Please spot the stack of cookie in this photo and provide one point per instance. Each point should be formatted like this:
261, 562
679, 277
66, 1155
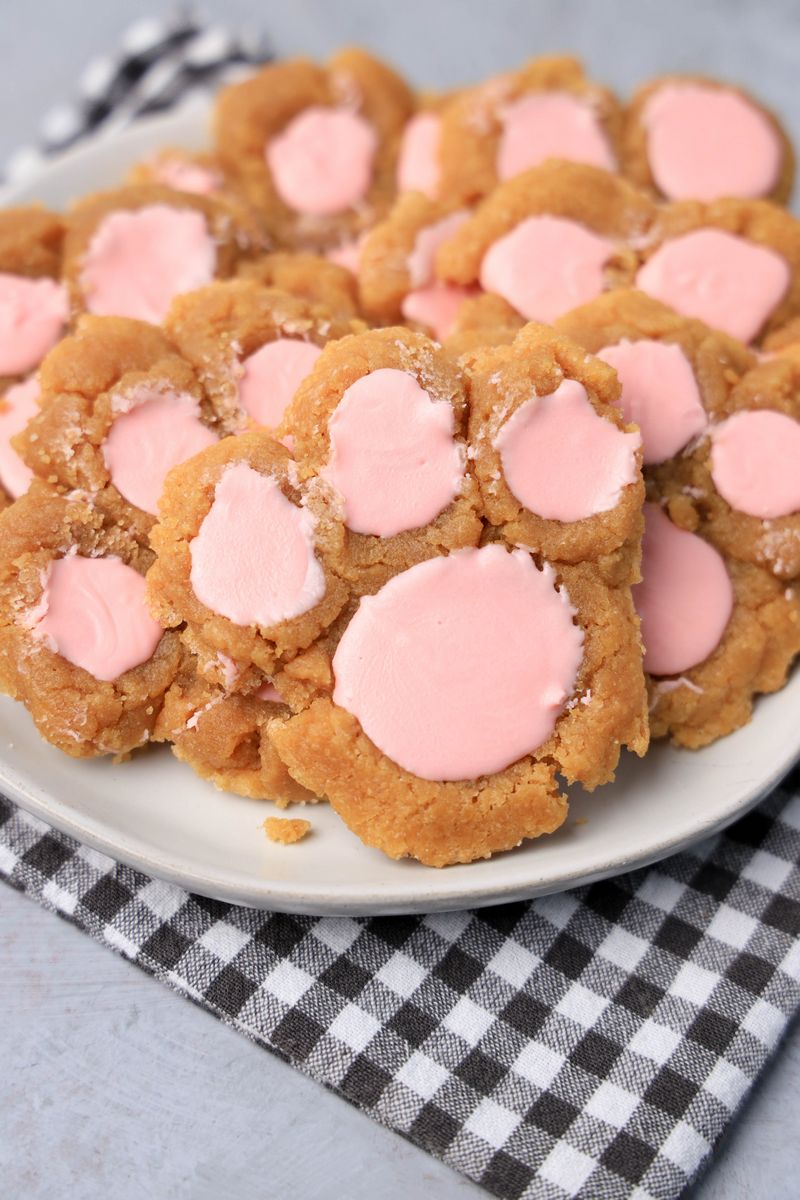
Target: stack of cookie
414, 452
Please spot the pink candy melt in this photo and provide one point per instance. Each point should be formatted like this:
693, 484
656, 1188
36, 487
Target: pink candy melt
427, 242
436, 306
659, 393
704, 143
546, 266
546, 125
724, 280
186, 176
348, 255
393, 458
253, 560
272, 376
33, 313
755, 463
159, 430
418, 167
93, 613
138, 261
408, 663
322, 162
685, 598
561, 459
17, 407
268, 691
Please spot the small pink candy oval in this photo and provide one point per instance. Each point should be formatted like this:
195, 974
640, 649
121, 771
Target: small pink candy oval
418, 168
436, 306
348, 254
426, 244
186, 176
17, 406
271, 377
138, 261
33, 313
728, 282
561, 459
94, 613
707, 142
409, 661
659, 393
253, 559
546, 125
393, 460
158, 430
755, 463
322, 162
685, 599
545, 266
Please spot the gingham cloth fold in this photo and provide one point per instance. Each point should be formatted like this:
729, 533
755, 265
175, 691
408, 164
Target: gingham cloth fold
594, 1044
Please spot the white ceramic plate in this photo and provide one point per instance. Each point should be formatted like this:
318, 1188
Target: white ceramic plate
156, 815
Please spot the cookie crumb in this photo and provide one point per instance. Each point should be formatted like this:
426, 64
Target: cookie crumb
286, 831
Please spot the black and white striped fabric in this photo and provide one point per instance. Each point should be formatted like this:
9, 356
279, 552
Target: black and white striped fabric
594, 1044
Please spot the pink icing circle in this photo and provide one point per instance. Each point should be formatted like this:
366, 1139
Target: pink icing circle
418, 168
546, 266
33, 313
685, 599
253, 559
17, 406
706, 142
139, 260
322, 162
185, 176
156, 431
271, 377
546, 125
659, 393
348, 255
436, 306
460, 666
426, 244
755, 463
393, 458
561, 459
93, 612
728, 282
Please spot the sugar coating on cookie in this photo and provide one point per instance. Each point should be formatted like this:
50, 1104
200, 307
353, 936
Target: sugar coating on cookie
754, 463
33, 314
17, 406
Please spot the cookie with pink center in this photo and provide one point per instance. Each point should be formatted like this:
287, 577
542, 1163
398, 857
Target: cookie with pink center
78, 645
687, 137
117, 408
34, 306
18, 405
130, 252
716, 632
734, 264
549, 239
559, 469
510, 123
419, 763
378, 430
310, 277
419, 159
314, 148
241, 559
251, 347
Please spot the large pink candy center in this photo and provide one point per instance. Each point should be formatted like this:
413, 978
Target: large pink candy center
393, 458
728, 282
685, 599
561, 459
418, 168
460, 666
659, 393
93, 612
138, 261
546, 266
546, 125
17, 406
322, 162
755, 463
33, 313
271, 377
253, 559
706, 142
158, 430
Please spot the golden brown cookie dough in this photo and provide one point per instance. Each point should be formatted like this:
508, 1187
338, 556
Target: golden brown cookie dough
483, 320
218, 327
31, 242
472, 124
76, 712
785, 338
364, 560
250, 114
285, 831
180, 169
309, 277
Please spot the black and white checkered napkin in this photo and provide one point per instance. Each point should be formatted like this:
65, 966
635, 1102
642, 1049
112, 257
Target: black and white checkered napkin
594, 1044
